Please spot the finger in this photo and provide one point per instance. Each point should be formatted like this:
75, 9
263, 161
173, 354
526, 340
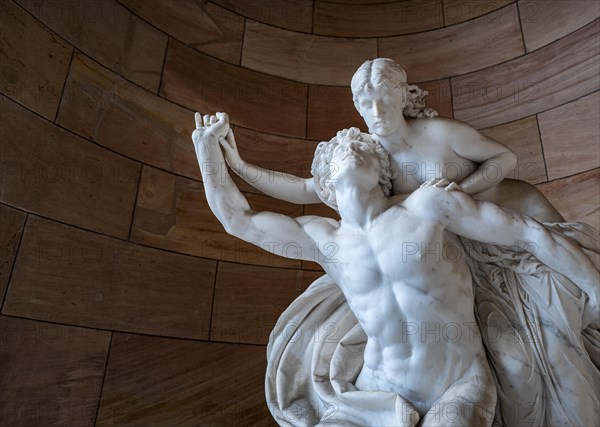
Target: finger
222, 116
206, 120
213, 120
198, 119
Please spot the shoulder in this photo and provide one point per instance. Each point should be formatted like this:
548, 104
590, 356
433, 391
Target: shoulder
435, 203
439, 124
317, 224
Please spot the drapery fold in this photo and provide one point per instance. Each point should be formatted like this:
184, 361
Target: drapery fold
545, 368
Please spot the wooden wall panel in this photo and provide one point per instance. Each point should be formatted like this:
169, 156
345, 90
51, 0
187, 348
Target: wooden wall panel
378, 19
576, 197
249, 300
34, 61
357, 1
172, 213
331, 109
51, 374
454, 50
295, 15
571, 136
272, 152
109, 33
54, 173
165, 382
11, 227
68, 275
546, 21
304, 57
523, 138
251, 99
201, 25
456, 11
440, 96
119, 115
546, 78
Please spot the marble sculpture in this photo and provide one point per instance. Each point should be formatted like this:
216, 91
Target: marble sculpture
450, 298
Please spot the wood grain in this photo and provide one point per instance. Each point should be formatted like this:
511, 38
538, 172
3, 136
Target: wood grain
295, 15
50, 171
34, 61
331, 109
440, 96
523, 138
456, 11
165, 382
272, 152
204, 26
68, 275
522, 87
571, 136
304, 57
172, 213
51, 374
576, 197
101, 106
11, 227
378, 19
109, 33
249, 300
252, 100
454, 50
546, 21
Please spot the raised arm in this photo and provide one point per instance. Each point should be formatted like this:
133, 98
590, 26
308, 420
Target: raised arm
273, 232
496, 161
276, 184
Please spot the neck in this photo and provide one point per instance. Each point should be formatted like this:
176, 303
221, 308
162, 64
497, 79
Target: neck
358, 207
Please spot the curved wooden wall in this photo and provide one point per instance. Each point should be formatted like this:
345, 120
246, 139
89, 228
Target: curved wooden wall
124, 302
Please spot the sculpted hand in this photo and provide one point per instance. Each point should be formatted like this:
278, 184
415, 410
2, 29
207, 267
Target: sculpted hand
442, 183
208, 126
232, 154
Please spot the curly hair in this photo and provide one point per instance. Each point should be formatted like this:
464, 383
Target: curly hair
386, 71
322, 172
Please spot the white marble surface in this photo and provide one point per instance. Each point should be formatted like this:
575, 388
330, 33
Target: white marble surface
418, 302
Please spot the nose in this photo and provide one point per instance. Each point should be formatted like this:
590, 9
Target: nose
376, 109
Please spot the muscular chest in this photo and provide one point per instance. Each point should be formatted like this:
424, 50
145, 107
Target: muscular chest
403, 249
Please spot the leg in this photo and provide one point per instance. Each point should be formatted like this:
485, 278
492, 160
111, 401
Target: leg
470, 401
523, 198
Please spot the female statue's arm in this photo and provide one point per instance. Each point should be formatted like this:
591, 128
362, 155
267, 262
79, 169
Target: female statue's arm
276, 184
495, 160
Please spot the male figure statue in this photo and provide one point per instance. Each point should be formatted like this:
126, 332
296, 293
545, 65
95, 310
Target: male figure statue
386, 288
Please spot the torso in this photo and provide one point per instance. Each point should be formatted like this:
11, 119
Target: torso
414, 301
428, 157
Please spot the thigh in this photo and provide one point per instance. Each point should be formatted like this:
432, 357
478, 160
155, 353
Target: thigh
470, 401
522, 197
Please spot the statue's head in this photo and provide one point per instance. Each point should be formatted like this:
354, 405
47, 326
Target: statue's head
329, 167
384, 81
377, 72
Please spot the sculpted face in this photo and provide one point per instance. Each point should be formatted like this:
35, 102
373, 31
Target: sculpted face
357, 162
381, 107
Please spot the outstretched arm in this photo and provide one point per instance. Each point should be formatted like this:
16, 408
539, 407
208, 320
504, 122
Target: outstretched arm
280, 185
496, 160
486, 222
273, 232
